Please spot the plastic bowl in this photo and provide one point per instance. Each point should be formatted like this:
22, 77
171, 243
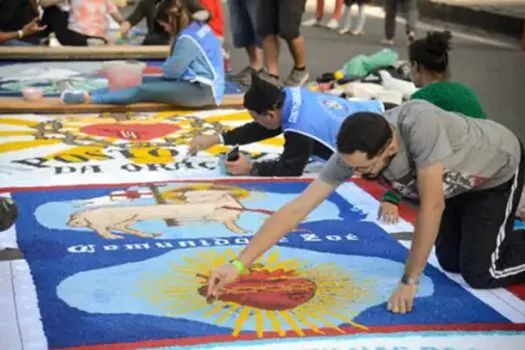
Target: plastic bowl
32, 94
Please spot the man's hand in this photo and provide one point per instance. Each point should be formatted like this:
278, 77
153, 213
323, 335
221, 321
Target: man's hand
241, 166
220, 277
202, 142
388, 213
402, 298
125, 27
32, 28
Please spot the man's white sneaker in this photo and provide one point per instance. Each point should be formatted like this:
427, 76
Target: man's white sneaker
332, 24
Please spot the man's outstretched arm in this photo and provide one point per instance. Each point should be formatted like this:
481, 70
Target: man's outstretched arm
284, 220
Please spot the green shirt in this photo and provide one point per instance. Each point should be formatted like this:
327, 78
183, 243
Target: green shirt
452, 97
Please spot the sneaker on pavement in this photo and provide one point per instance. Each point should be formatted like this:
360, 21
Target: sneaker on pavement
332, 24
73, 97
312, 22
244, 77
388, 42
271, 79
297, 77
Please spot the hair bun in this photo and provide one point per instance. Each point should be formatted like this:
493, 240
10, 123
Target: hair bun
438, 43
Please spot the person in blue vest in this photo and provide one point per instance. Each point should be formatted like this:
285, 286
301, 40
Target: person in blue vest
193, 75
309, 121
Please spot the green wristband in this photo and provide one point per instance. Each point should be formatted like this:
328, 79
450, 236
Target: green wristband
391, 198
239, 265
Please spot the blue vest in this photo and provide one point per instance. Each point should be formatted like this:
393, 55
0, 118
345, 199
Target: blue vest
211, 49
319, 116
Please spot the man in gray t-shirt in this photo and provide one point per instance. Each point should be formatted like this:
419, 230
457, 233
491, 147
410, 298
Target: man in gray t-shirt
476, 154
467, 174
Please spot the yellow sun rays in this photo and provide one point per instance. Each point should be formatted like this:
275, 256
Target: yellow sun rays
177, 293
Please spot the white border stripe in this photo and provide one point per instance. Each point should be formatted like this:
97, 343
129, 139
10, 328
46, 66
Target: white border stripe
29, 318
9, 328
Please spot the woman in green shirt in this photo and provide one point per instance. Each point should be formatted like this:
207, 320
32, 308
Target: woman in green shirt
430, 71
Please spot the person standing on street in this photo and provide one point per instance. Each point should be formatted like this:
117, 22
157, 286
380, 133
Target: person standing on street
411, 13
282, 18
244, 19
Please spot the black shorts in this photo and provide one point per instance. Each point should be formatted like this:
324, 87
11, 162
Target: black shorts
281, 17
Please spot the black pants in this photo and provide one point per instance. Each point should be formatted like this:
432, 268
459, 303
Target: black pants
476, 237
281, 17
56, 21
410, 11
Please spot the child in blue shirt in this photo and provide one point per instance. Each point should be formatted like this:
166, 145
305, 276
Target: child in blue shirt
193, 75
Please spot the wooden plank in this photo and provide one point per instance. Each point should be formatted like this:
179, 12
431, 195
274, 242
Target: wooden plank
54, 105
102, 52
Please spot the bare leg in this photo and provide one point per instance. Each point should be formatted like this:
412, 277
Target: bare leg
337, 9
319, 10
271, 54
255, 56
297, 51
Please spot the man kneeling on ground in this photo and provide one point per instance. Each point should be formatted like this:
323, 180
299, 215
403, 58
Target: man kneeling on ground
467, 175
309, 120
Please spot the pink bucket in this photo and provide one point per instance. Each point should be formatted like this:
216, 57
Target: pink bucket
123, 74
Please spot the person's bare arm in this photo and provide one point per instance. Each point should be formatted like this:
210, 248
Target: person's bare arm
432, 204
117, 16
284, 220
114, 12
6, 36
29, 29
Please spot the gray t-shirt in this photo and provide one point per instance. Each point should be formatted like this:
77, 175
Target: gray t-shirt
477, 154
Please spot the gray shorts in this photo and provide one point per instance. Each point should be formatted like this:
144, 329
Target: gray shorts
244, 19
